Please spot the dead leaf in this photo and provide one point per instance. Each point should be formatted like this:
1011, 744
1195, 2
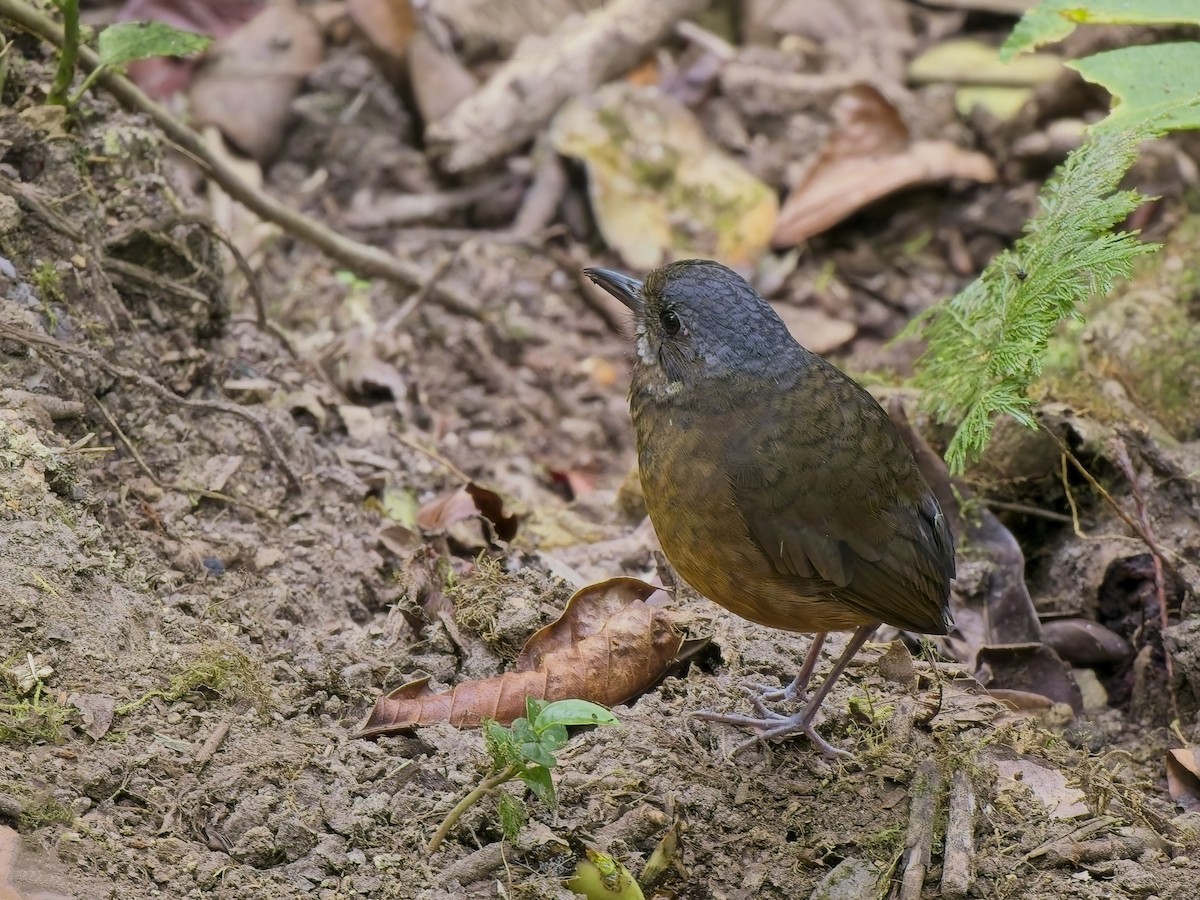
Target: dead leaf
362, 425
246, 85
389, 27
868, 156
469, 501
1027, 701
996, 633
266, 557
660, 190
219, 469
1183, 777
1082, 642
248, 233
574, 482
816, 330
897, 664
439, 81
645, 74
1048, 785
399, 540
95, 713
607, 647
366, 375
599, 370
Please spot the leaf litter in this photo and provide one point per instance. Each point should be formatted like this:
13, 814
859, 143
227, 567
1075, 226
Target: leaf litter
225, 788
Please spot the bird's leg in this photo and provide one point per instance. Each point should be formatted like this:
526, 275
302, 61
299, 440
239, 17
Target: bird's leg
762, 694
775, 726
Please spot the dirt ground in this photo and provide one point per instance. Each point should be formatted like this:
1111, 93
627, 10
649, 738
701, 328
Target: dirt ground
200, 599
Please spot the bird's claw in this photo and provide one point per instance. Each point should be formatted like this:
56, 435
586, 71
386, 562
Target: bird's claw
773, 726
762, 694
759, 695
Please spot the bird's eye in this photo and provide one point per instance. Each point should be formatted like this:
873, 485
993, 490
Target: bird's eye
669, 321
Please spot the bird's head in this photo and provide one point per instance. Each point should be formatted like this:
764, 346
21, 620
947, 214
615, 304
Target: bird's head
697, 319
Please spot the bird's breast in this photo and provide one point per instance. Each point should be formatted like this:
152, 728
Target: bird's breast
682, 460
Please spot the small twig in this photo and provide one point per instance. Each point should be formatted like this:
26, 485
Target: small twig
33, 340
31, 198
1102, 491
545, 192
435, 456
1028, 510
363, 259
926, 788
252, 285
140, 275
392, 322
960, 837
212, 745
484, 787
707, 40
1121, 452
137, 457
112, 423
1071, 500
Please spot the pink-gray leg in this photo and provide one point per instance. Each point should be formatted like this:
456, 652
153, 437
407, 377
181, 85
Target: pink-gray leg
773, 725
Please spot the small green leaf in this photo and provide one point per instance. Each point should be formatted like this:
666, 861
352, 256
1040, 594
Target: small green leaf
523, 733
984, 347
127, 41
1053, 20
1157, 83
553, 737
500, 746
574, 712
535, 752
540, 783
512, 815
534, 707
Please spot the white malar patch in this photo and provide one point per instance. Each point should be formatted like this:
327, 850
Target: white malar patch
646, 353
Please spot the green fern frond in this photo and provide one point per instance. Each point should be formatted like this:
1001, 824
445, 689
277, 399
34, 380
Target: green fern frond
985, 345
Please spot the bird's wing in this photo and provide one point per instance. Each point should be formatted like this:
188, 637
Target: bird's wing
846, 514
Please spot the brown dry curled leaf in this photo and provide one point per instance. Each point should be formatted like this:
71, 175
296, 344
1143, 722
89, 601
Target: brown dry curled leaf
607, 647
469, 501
868, 155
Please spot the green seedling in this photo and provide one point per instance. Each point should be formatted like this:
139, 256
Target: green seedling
525, 750
987, 345
117, 45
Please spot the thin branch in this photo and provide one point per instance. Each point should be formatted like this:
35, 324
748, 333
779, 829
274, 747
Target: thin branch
34, 341
1121, 452
1028, 510
364, 260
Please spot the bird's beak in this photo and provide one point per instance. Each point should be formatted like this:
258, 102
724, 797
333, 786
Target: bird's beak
626, 289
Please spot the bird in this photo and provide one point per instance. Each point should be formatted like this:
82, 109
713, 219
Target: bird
778, 486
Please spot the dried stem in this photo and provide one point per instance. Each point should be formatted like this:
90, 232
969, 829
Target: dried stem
484, 787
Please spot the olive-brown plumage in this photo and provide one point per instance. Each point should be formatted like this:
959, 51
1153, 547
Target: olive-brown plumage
777, 485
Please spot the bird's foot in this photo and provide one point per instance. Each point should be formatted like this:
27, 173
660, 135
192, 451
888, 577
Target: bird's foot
773, 725
762, 694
